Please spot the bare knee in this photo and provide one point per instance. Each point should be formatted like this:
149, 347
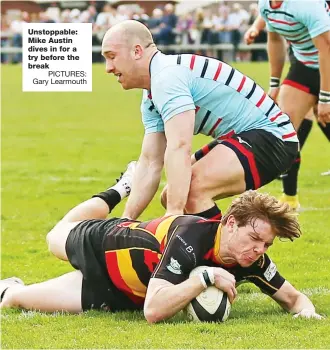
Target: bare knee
56, 239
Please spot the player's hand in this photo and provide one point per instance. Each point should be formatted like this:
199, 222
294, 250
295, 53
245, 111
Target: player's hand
226, 282
250, 35
273, 93
307, 313
323, 113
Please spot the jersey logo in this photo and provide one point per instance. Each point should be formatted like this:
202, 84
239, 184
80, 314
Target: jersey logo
242, 141
270, 272
174, 267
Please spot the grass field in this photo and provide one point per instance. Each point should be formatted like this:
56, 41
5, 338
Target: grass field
60, 148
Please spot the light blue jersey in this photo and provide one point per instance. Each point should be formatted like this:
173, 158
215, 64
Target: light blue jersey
298, 22
226, 101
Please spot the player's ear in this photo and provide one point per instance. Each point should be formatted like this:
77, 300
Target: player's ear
231, 223
138, 52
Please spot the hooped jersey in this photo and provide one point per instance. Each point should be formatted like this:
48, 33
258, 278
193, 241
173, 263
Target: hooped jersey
225, 101
169, 248
298, 22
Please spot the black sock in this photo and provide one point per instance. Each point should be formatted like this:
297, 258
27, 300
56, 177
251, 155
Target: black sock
290, 181
110, 196
3, 294
213, 213
325, 130
303, 131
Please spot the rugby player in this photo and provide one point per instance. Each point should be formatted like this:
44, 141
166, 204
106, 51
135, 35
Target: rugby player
254, 141
123, 264
306, 27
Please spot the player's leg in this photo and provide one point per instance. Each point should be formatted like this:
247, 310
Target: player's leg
290, 179
298, 95
97, 207
58, 294
246, 161
219, 173
212, 212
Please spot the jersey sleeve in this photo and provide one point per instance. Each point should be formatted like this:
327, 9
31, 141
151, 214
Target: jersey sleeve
261, 5
314, 16
264, 275
182, 253
171, 91
151, 119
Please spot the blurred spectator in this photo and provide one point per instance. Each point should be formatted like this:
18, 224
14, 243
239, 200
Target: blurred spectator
198, 26
16, 27
122, 14
75, 16
5, 37
44, 18
184, 29
65, 16
167, 26
154, 23
141, 16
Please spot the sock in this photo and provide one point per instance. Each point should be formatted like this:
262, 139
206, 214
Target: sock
110, 196
3, 294
325, 130
290, 181
303, 131
214, 213
122, 188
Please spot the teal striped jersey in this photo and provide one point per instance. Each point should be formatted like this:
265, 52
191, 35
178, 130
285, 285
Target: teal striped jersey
298, 22
225, 101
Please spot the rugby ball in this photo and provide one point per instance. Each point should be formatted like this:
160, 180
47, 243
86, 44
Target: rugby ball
212, 305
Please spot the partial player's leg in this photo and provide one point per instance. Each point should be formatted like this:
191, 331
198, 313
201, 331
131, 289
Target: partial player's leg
218, 174
246, 161
290, 179
59, 294
298, 95
97, 207
295, 103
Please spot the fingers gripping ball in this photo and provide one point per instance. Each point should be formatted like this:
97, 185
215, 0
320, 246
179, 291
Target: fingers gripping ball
212, 305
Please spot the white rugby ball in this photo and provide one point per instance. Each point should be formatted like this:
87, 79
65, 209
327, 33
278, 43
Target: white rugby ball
212, 305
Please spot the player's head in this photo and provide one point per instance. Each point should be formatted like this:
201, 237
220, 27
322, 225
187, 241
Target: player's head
253, 221
127, 48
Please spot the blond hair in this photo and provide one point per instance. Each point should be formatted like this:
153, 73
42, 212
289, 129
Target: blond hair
252, 205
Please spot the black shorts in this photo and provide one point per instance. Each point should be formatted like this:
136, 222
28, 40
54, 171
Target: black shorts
302, 77
84, 248
263, 156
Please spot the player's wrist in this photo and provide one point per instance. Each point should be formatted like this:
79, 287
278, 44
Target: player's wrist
324, 97
207, 277
274, 82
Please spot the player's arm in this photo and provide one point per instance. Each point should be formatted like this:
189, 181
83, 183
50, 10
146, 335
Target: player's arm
276, 48
179, 132
257, 26
295, 302
147, 175
164, 299
322, 43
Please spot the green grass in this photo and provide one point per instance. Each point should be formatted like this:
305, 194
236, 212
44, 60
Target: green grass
60, 148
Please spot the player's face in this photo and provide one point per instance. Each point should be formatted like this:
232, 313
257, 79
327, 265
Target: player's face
119, 61
249, 243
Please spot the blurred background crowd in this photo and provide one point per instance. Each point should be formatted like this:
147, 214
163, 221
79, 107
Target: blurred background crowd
195, 28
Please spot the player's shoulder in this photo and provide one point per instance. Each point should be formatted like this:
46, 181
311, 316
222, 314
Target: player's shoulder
197, 225
168, 67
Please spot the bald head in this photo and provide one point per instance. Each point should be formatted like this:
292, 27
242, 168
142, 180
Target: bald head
129, 33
